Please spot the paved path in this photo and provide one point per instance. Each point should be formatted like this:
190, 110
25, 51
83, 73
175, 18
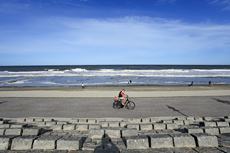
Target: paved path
92, 94
102, 107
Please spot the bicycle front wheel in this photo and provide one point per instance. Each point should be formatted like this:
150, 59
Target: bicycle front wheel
130, 105
116, 105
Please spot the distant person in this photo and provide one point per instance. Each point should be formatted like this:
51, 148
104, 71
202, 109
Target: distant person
122, 96
130, 82
191, 84
82, 85
210, 83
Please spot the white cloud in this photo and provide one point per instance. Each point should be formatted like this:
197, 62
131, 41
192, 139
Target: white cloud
224, 3
149, 33
139, 37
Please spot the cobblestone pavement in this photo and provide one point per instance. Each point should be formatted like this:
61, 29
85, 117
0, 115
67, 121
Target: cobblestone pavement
115, 135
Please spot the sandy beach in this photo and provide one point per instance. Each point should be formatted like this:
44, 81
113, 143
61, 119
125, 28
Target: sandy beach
111, 91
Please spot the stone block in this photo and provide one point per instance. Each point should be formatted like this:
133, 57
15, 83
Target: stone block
146, 126
224, 130
62, 122
29, 120
21, 120
181, 118
38, 120
40, 123
101, 120
159, 126
69, 127
18, 125
136, 120
188, 122
113, 133
207, 118
69, 143
145, 120
123, 124
82, 127
57, 127
172, 126
75, 121
222, 124
48, 119
2, 131
114, 124
5, 142
4, 126
183, 140
226, 120
133, 126
31, 131
208, 124
211, 130
22, 143
154, 120
15, 132
190, 118
193, 130
161, 141
45, 143
167, 121
96, 133
205, 140
178, 122
49, 123
94, 126
92, 121
198, 118
137, 142
82, 120
129, 132
104, 124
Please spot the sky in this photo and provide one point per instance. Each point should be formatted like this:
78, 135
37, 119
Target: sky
111, 32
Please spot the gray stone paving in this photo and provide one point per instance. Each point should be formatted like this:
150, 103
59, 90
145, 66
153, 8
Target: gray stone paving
118, 135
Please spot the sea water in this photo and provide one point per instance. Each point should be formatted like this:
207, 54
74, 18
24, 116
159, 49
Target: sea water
105, 75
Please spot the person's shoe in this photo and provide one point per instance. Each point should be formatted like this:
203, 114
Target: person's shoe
122, 106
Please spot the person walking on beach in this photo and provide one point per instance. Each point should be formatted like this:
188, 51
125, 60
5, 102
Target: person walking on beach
209, 83
122, 96
191, 84
82, 85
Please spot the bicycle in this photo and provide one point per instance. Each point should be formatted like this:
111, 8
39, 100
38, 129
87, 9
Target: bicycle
127, 104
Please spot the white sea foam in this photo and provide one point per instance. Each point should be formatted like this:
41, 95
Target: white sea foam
79, 70
119, 76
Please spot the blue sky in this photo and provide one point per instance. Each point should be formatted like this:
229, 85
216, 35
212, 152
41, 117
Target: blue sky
85, 32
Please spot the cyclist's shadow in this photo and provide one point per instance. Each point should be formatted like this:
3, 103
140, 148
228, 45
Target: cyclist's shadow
107, 146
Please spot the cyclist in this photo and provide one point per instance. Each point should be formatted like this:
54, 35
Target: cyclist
122, 96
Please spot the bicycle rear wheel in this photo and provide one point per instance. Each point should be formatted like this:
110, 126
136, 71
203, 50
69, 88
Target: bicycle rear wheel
130, 105
116, 105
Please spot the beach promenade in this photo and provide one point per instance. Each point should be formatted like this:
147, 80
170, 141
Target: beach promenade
165, 119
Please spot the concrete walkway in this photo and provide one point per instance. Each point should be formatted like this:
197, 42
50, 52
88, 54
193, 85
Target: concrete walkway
92, 94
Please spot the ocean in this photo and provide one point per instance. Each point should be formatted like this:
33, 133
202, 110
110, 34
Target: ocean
116, 75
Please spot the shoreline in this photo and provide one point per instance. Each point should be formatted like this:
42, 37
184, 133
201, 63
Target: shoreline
119, 87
